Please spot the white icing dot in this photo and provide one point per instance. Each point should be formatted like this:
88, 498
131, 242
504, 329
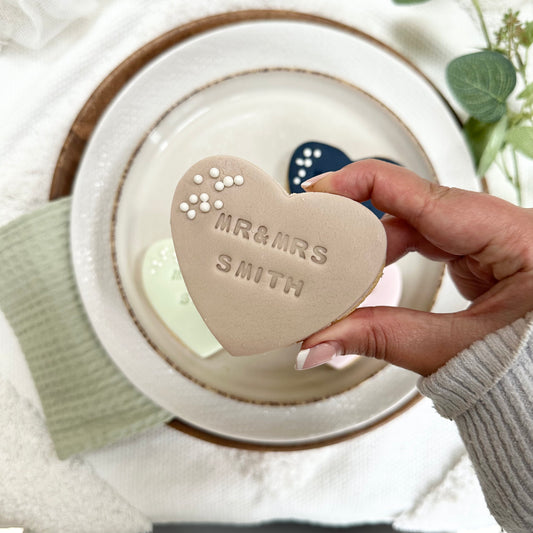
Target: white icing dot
296, 181
307, 152
228, 181
302, 173
184, 298
219, 204
184, 206
198, 179
204, 197
214, 172
299, 161
191, 214
308, 163
193, 199
238, 180
219, 186
317, 153
205, 207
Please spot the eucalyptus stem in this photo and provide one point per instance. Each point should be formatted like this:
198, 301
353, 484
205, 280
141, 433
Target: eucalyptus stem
517, 181
503, 167
477, 7
520, 65
512, 177
526, 56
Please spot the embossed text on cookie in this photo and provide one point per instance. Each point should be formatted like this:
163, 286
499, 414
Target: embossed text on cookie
257, 274
280, 240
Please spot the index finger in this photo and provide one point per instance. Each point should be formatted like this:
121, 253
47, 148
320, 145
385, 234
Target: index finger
457, 221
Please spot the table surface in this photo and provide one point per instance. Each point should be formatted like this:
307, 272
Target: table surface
281, 527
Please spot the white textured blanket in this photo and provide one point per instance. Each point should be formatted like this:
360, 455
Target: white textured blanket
412, 470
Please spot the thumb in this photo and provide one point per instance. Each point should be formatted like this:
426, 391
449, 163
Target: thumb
418, 341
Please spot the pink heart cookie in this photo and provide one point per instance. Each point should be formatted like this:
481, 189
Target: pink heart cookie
265, 269
388, 292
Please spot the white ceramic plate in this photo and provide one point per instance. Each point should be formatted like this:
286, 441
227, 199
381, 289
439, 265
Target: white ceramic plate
255, 90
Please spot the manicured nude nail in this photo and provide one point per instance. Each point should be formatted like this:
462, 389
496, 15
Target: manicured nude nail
311, 181
317, 355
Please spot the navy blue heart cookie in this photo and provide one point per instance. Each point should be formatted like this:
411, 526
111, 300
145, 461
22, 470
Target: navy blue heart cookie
313, 158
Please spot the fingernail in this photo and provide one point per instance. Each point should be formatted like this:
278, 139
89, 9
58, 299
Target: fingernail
311, 181
317, 355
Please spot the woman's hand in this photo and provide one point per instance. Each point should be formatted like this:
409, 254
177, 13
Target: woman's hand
486, 242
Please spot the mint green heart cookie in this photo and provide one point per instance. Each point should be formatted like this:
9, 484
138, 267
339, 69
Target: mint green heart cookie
166, 291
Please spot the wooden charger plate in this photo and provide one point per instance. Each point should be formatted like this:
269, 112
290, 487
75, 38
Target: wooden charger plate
86, 120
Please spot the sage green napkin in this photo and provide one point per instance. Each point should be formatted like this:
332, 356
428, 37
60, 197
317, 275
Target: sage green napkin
87, 401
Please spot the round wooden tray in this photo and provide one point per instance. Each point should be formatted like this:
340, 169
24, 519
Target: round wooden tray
85, 122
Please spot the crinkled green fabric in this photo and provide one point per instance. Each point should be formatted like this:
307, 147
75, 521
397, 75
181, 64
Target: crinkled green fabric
87, 401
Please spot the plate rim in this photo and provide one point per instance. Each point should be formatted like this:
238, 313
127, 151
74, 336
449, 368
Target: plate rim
83, 125
85, 122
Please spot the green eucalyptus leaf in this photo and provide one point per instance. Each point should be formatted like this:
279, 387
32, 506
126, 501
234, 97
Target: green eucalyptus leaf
405, 2
481, 82
521, 138
494, 144
527, 93
477, 134
526, 38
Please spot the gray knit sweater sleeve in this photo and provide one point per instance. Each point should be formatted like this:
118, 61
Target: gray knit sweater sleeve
487, 390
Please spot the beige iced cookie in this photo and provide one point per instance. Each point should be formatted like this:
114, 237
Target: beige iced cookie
266, 269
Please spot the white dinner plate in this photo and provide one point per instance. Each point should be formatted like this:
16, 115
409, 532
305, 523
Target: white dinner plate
255, 90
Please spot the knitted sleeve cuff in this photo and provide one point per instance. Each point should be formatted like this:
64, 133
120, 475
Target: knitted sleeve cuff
466, 378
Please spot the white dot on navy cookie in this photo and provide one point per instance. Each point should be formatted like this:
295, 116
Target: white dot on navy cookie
311, 159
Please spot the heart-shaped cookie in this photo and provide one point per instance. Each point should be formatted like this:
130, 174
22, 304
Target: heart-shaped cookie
388, 292
165, 290
266, 269
313, 158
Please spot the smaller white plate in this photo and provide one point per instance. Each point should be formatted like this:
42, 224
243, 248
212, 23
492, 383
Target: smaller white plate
260, 116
